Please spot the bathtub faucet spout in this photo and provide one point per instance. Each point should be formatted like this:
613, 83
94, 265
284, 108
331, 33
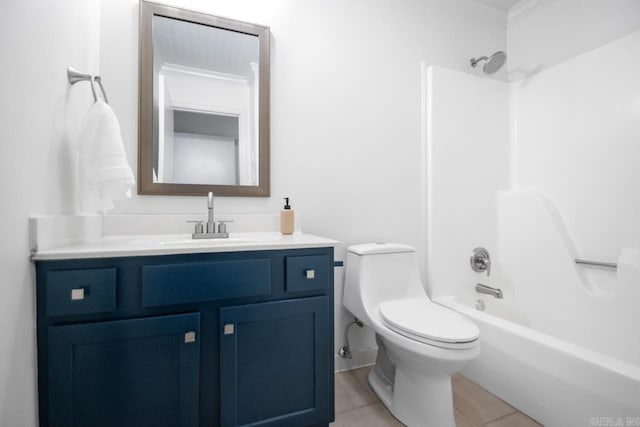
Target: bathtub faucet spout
484, 289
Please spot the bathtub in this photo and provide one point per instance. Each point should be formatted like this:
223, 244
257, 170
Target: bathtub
553, 381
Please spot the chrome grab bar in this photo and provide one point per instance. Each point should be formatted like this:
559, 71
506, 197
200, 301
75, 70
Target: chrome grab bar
484, 289
597, 263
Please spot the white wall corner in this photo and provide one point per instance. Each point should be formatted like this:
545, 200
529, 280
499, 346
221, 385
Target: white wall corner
49, 231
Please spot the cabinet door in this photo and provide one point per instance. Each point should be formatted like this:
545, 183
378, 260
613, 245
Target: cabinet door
138, 372
274, 363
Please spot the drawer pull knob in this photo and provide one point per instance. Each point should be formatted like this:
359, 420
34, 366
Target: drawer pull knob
190, 337
77, 294
229, 329
311, 274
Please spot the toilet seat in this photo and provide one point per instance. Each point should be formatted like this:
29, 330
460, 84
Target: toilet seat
422, 320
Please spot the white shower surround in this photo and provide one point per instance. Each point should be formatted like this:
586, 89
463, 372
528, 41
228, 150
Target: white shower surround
540, 172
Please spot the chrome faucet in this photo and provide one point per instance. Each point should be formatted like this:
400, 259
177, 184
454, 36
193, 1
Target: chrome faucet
484, 289
211, 224
210, 233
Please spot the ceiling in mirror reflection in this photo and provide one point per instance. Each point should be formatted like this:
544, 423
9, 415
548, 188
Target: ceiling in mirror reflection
180, 42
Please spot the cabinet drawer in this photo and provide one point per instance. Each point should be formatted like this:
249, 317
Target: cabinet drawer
81, 291
204, 281
307, 272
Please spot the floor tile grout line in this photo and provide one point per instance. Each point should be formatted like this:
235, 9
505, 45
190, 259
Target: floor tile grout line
514, 410
360, 390
501, 417
358, 407
461, 415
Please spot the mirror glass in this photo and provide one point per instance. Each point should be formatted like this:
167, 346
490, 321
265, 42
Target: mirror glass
203, 104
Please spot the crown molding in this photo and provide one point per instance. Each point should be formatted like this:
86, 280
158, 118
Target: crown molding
169, 67
477, 10
524, 9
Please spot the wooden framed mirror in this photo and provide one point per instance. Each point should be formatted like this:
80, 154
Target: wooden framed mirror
203, 104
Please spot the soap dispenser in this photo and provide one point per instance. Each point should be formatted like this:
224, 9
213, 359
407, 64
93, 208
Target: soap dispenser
286, 218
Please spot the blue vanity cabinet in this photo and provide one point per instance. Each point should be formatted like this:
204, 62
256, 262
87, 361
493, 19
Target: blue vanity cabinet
186, 340
273, 363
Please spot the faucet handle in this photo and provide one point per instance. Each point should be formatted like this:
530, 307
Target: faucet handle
198, 228
487, 264
210, 200
481, 261
222, 226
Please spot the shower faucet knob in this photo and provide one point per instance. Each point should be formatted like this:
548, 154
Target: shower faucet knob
480, 261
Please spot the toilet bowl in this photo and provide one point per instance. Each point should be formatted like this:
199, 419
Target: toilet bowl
420, 343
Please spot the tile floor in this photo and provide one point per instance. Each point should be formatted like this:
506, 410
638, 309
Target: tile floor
358, 406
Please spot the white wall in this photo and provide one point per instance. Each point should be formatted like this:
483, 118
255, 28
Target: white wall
345, 110
39, 111
345, 127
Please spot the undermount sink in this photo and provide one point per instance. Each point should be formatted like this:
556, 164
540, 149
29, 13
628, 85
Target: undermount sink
205, 242
187, 240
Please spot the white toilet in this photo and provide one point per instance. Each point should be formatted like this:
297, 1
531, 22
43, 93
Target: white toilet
420, 343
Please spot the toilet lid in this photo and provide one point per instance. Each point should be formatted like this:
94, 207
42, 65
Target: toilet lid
422, 320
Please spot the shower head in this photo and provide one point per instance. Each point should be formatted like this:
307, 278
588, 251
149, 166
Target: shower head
493, 64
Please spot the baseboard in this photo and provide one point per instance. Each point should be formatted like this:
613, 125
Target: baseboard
359, 359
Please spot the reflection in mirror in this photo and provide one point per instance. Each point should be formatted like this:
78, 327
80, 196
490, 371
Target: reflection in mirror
209, 104
201, 149
202, 136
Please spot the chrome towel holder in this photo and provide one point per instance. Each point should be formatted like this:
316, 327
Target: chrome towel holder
76, 76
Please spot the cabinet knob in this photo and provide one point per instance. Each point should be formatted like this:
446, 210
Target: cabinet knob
229, 329
77, 294
190, 337
310, 274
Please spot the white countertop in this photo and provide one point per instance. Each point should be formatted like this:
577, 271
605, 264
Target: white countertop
169, 244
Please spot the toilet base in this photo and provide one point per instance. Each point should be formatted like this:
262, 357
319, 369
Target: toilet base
416, 402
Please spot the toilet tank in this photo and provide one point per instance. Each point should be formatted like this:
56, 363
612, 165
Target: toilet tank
377, 272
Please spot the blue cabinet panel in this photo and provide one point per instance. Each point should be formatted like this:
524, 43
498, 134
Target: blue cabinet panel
307, 272
274, 365
137, 372
96, 291
204, 281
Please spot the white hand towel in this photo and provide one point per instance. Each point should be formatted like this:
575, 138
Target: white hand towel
104, 172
